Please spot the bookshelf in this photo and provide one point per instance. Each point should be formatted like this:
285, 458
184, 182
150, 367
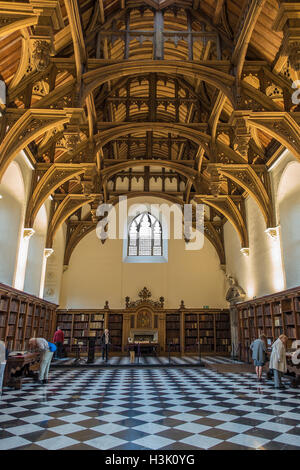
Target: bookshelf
79, 325
173, 332
271, 315
115, 323
179, 330
23, 316
210, 329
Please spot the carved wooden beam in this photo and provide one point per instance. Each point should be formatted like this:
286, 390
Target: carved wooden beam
218, 10
70, 204
282, 126
214, 234
231, 208
15, 16
77, 35
214, 76
31, 125
288, 20
182, 169
54, 176
256, 184
243, 35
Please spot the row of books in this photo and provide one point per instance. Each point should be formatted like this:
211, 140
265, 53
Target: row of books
290, 331
115, 319
224, 341
222, 325
206, 324
206, 341
81, 317
191, 325
96, 317
97, 325
171, 325
222, 334
81, 325
172, 318
64, 318
65, 326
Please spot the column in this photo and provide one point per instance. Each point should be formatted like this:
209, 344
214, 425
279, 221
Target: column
47, 252
19, 277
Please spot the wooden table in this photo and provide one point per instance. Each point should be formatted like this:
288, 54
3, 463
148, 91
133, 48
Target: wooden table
291, 368
18, 367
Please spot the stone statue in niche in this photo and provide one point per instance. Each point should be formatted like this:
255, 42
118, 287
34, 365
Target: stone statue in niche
235, 293
144, 319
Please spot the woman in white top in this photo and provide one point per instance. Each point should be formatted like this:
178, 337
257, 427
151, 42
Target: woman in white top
278, 360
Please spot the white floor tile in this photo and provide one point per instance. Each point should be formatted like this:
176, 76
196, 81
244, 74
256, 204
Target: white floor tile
105, 442
248, 441
13, 442
56, 443
153, 442
201, 442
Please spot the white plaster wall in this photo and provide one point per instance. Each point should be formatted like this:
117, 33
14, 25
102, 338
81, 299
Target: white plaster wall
36, 253
96, 273
288, 202
272, 265
261, 272
12, 204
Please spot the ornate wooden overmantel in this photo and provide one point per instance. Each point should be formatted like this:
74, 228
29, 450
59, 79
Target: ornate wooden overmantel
144, 300
178, 100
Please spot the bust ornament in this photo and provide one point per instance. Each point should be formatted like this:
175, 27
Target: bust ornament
235, 293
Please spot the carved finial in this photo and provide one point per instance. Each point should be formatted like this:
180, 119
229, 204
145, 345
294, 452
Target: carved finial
145, 294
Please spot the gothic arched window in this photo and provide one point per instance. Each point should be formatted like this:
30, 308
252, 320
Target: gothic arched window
145, 236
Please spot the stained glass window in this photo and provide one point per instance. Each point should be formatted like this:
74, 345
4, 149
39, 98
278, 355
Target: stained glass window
145, 236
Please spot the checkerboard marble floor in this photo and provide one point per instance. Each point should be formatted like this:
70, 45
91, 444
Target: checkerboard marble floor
148, 408
116, 361
148, 361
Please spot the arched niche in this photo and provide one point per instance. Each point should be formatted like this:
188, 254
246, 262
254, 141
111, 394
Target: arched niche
36, 253
12, 205
288, 200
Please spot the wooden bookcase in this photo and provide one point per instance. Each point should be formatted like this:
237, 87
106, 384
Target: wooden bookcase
115, 326
79, 325
179, 331
272, 315
210, 329
23, 316
173, 331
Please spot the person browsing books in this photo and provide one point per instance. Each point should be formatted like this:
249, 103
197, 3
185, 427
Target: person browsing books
46, 349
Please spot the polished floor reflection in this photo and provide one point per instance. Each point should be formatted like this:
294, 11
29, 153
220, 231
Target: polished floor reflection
149, 408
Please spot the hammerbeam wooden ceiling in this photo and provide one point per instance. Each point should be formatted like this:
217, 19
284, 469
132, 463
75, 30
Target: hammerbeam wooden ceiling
187, 100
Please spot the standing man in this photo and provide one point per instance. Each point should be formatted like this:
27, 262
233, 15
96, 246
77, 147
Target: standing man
105, 344
278, 360
58, 339
46, 349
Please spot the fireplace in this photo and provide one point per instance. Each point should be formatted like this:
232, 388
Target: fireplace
144, 336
